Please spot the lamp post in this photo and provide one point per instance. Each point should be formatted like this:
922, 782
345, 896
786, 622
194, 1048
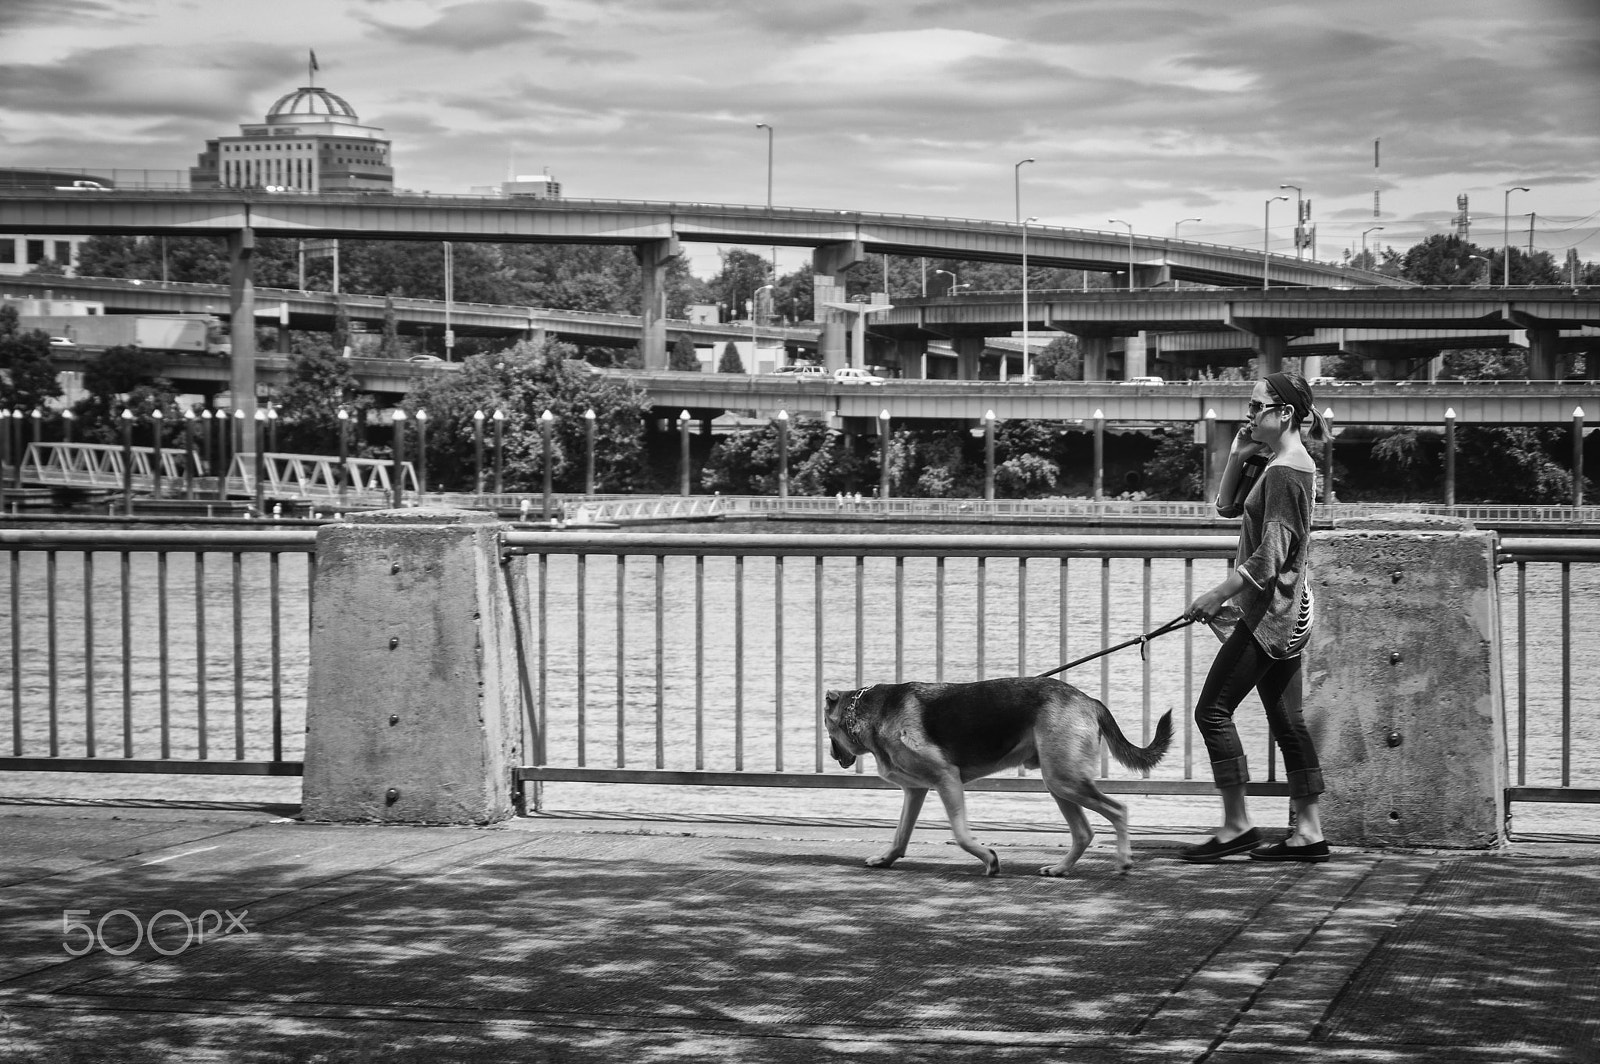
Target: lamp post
953, 285
1364, 232
588, 440
1119, 221
155, 466
1488, 269
1450, 456
783, 455
1100, 453
1266, 232
1577, 456
188, 452
683, 453
208, 441
422, 453
261, 461
1299, 215
1179, 223
477, 452
1027, 370
499, 450
883, 458
988, 456
66, 426
1016, 175
344, 455
398, 465
1507, 235
755, 315
768, 128
546, 419
1328, 495
127, 462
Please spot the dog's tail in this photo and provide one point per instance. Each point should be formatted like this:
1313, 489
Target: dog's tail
1142, 758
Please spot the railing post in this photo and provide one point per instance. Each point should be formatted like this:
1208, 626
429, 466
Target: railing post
413, 704
1404, 685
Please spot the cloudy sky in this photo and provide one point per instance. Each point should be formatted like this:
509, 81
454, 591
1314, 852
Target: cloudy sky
1151, 111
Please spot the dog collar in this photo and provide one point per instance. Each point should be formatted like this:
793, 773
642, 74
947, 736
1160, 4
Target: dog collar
848, 717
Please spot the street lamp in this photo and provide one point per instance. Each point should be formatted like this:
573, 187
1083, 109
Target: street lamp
1266, 231
755, 313
1507, 235
953, 285
1364, 232
1016, 175
1179, 222
1488, 269
1299, 213
1119, 221
1026, 367
763, 125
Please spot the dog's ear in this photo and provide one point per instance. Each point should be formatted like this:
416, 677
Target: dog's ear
831, 699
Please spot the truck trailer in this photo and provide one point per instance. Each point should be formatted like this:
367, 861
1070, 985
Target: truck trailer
191, 333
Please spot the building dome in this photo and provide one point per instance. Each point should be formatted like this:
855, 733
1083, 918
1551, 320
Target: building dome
311, 102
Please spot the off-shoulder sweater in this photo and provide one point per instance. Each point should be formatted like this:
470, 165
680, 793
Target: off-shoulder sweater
1274, 540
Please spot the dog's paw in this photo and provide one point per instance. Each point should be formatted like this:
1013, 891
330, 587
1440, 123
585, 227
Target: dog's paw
1056, 871
883, 862
1125, 865
991, 867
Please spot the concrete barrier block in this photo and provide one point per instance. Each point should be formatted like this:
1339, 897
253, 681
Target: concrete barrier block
412, 712
1404, 693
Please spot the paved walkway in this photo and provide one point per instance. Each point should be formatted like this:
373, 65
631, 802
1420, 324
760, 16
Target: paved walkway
590, 939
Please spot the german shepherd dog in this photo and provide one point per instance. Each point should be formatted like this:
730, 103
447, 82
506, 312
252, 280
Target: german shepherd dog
941, 735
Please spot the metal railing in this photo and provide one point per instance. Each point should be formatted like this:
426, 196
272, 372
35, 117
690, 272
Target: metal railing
698, 659
171, 651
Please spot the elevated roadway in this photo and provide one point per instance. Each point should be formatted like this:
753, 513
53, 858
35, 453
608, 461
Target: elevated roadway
1366, 403
1550, 321
315, 312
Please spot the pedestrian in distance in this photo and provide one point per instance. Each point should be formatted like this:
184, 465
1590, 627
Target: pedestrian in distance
1269, 482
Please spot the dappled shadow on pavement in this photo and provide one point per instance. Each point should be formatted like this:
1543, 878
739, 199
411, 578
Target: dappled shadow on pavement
449, 944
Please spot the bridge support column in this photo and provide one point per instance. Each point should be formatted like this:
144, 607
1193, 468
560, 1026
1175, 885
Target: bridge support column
828, 265
969, 357
1218, 442
1544, 354
654, 259
1096, 355
1269, 353
912, 357
1404, 685
242, 331
1136, 357
413, 703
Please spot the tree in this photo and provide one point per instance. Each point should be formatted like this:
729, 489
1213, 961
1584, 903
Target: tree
734, 286
389, 346
29, 376
683, 356
122, 378
340, 337
1177, 469
731, 362
1512, 464
1061, 360
524, 382
320, 383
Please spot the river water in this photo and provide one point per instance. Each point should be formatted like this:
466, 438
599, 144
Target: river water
647, 709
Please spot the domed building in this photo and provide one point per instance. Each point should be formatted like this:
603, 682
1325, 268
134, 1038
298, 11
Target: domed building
312, 141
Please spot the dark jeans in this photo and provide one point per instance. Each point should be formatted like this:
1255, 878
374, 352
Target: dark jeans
1240, 665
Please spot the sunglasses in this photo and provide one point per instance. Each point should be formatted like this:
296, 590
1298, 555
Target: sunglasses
1256, 408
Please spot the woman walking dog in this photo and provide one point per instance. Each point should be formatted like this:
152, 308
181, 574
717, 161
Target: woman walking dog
1272, 590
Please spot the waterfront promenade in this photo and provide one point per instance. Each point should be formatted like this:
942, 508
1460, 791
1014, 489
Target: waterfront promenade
583, 938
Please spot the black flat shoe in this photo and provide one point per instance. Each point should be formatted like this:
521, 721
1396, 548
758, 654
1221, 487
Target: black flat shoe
1282, 851
1211, 850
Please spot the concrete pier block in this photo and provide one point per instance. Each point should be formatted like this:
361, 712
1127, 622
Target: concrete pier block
412, 712
1404, 691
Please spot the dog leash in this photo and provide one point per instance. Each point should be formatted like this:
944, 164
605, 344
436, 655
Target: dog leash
1170, 626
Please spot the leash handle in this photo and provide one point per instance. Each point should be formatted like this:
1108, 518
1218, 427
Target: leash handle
1142, 640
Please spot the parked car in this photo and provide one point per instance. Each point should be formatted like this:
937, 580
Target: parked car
424, 358
61, 341
1144, 380
801, 372
851, 375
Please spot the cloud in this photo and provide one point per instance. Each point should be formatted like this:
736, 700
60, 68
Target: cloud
474, 26
26, 14
141, 80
